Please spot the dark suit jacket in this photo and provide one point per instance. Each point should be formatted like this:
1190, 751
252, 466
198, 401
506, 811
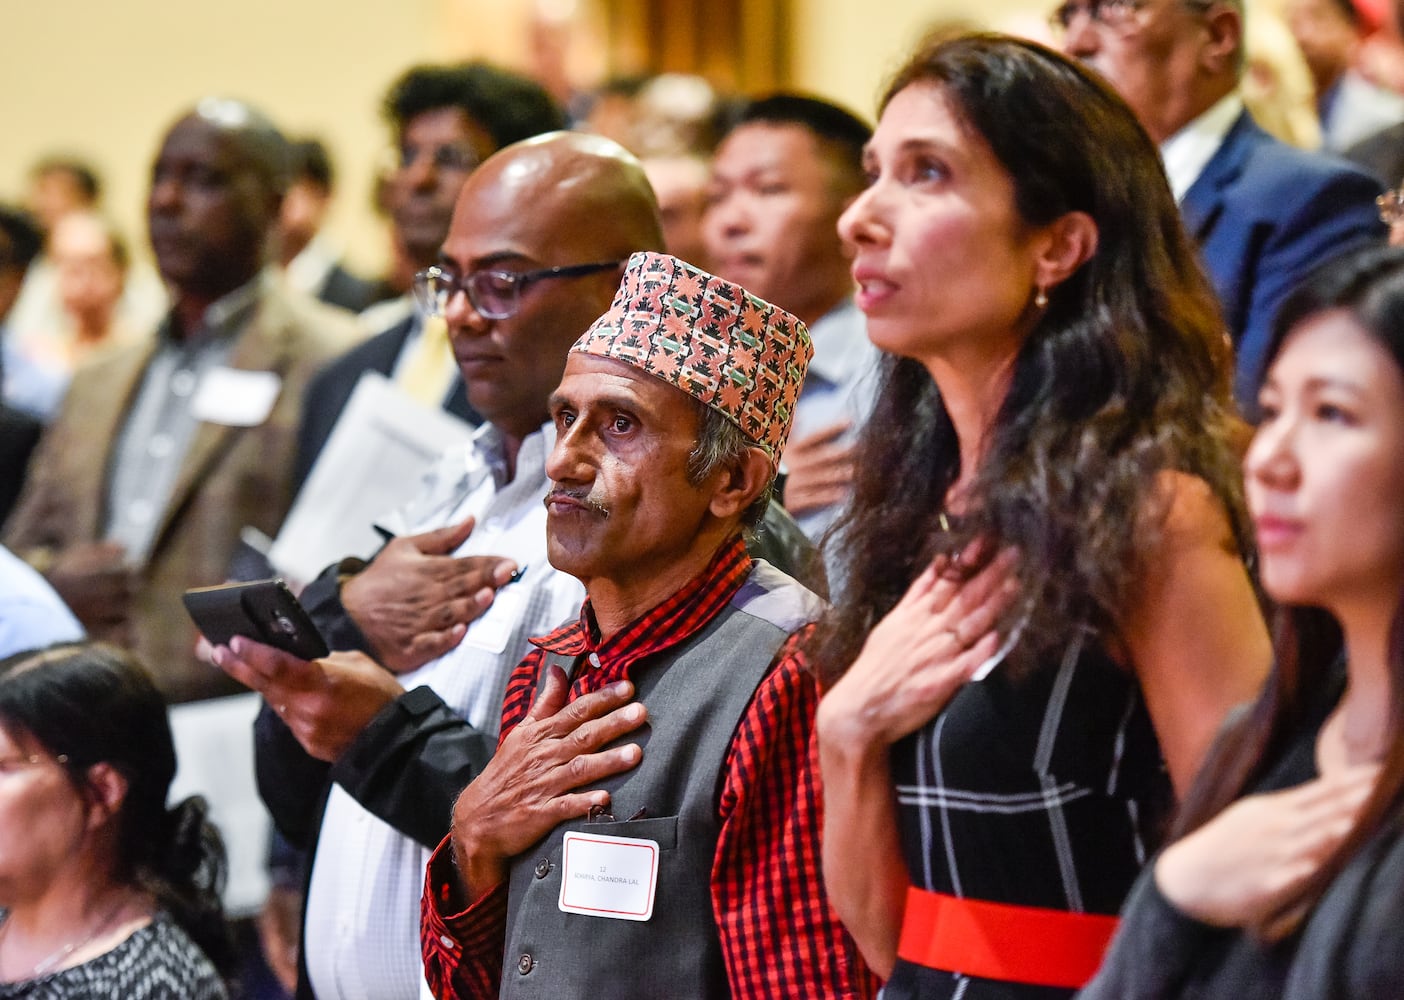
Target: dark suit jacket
231, 477
344, 289
1265, 215
330, 389
19, 434
1382, 154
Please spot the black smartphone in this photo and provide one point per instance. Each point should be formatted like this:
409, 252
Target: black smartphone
264, 610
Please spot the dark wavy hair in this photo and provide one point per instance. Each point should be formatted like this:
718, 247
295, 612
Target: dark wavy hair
1126, 374
1369, 285
509, 106
91, 703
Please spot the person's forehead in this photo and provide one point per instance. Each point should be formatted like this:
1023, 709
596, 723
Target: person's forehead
447, 125
1318, 8
59, 180
501, 213
78, 235
777, 145
591, 377
197, 140
488, 230
1155, 13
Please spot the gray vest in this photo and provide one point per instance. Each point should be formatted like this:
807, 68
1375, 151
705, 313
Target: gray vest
696, 693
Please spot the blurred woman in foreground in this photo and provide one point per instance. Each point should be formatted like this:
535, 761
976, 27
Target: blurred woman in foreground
1288, 878
106, 893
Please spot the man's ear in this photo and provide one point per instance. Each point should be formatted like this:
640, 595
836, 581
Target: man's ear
738, 486
1070, 241
107, 790
1221, 54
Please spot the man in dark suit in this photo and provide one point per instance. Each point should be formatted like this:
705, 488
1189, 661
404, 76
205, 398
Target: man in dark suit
20, 242
446, 120
165, 450
1264, 213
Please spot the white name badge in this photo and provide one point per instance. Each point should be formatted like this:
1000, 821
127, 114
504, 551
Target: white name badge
235, 397
614, 877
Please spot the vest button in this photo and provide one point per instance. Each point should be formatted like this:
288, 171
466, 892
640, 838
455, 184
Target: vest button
525, 964
543, 868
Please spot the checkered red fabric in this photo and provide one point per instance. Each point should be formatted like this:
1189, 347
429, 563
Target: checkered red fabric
780, 937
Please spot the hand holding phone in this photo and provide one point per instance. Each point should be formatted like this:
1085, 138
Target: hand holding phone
264, 610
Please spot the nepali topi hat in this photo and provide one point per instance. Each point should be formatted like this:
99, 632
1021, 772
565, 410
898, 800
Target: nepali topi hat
711, 338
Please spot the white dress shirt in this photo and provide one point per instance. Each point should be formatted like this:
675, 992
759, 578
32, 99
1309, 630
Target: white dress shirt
1188, 151
362, 925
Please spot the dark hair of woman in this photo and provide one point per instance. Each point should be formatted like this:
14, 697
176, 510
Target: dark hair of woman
1307, 641
1125, 376
93, 703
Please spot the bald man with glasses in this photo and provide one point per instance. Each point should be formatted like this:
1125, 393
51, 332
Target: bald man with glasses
1263, 213
361, 756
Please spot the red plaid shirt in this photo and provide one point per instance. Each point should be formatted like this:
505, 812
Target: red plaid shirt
779, 936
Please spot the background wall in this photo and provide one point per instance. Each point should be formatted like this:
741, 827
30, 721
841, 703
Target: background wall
104, 80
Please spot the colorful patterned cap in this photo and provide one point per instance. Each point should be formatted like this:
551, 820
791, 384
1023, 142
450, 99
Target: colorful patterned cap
712, 339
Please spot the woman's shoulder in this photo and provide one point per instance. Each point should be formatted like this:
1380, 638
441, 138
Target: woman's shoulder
1189, 510
170, 952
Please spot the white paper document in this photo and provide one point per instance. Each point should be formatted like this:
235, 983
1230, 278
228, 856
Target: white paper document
372, 463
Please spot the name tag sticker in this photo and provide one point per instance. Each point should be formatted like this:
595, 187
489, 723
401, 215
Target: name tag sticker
234, 397
614, 877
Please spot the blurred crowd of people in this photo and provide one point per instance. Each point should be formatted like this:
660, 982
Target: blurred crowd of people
935, 536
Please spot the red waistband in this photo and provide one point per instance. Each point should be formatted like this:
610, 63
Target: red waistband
1019, 944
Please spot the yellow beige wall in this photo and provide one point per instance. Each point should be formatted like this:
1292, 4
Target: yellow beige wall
104, 79
846, 49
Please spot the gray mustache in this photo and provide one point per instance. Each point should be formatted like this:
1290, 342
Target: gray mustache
585, 497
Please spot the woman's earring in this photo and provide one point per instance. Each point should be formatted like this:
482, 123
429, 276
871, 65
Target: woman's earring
1041, 299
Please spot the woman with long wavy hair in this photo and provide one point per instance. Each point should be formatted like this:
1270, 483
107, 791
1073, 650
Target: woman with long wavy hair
106, 891
1047, 613
1286, 878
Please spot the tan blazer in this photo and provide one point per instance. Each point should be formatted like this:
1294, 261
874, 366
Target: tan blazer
231, 477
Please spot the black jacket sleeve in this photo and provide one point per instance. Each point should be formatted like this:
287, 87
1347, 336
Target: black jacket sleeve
291, 782
409, 764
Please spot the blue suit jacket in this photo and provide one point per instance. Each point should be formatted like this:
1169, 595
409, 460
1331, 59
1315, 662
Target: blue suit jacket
1265, 215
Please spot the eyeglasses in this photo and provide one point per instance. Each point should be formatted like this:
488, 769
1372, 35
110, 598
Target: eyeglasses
1112, 13
451, 156
1391, 206
494, 294
9, 765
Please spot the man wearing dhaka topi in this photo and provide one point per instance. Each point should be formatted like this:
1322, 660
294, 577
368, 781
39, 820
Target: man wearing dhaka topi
650, 823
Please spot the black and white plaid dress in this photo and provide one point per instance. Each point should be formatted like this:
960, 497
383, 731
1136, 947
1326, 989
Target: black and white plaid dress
1044, 791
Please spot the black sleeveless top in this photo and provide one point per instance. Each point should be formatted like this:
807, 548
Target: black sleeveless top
1047, 790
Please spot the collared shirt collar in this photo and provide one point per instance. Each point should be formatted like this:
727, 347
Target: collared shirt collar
461, 470
224, 316
666, 625
836, 354
491, 444
308, 271
1188, 151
